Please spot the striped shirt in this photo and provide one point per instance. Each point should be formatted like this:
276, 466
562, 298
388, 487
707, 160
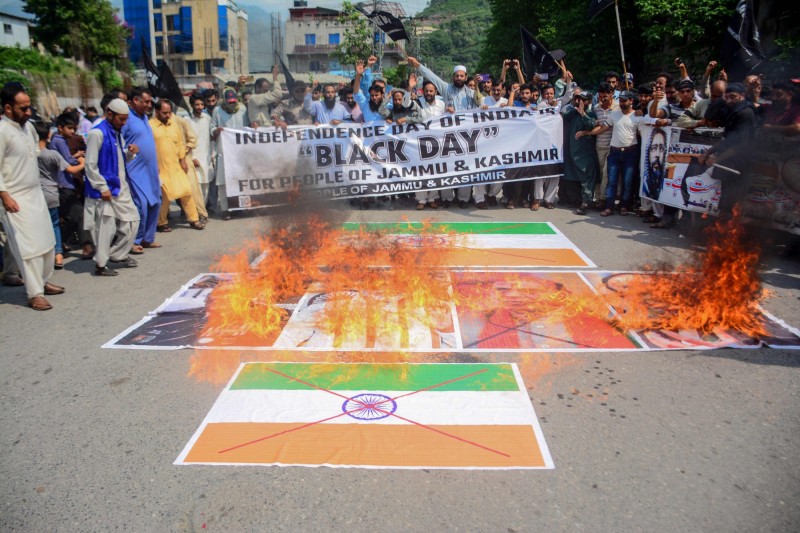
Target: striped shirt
604, 139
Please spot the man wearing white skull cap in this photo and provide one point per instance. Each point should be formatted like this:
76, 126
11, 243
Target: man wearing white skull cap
109, 211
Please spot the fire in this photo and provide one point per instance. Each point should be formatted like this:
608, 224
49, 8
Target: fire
719, 288
368, 291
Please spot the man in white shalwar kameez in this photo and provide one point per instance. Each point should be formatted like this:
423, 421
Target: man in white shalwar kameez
109, 211
23, 210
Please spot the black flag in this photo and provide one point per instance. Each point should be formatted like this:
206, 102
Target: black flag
597, 6
535, 57
287, 75
161, 81
741, 48
387, 22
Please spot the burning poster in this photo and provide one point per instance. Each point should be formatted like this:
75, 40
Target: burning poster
525, 311
628, 293
671, 172
516, 311
271, 167
455, 416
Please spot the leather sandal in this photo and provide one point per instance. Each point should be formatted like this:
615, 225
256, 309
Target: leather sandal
137, 249
146, 244
39, 303
197, 225
606, 213
51, 289
163, 229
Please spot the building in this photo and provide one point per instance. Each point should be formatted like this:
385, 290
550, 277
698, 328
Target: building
194, 37
15, 31
312, 33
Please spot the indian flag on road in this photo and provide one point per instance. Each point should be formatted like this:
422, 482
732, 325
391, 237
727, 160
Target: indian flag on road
372, 416
488, 244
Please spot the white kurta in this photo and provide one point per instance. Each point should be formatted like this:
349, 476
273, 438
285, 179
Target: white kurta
120, 207
30, 228
202, 152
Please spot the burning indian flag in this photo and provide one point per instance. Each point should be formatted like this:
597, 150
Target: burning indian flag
372, 416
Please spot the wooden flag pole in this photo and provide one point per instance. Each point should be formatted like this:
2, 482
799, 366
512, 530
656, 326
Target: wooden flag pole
621, 48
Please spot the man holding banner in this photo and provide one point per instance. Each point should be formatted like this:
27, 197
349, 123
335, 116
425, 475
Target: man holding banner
457, 97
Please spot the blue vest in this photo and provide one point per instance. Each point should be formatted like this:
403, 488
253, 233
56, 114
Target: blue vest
107, 161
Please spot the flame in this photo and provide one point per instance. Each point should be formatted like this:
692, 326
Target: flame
376, 292
373, 289
718, 288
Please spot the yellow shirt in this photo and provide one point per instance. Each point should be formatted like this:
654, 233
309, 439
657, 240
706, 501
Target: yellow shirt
170, 149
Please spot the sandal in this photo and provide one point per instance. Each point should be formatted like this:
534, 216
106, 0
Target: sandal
606, 213
146, 244
535, 206
510, 205
651, 219
549, 205
58, 264
660, 225
163, 229
623, 212
137, 249
39, 303
197, 225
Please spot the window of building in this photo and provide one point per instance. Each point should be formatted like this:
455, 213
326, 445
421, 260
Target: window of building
313, 66
334, 65
191, 68
187, 44
7, 29
311, 38
159, 45
156, 4
173, 22
333, 38
222, 17
158, 22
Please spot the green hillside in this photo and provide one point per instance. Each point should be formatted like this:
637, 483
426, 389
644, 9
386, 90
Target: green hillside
461, 26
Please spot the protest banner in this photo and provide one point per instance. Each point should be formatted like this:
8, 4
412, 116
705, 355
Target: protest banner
269, 166
670, 170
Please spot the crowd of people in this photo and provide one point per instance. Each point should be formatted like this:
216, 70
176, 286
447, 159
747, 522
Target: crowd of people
102, 184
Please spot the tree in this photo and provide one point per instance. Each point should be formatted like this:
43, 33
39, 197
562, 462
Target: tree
654, 33
88, 30
356, 42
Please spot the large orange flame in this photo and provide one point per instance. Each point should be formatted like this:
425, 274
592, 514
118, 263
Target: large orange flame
718, 288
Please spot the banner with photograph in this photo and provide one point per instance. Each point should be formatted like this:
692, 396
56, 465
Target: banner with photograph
270, 166
670, 170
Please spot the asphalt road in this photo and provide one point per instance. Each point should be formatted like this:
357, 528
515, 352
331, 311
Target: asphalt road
658, 441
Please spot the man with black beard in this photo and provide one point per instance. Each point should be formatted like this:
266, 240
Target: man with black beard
431, 105
348, 100
328, 110
370, 108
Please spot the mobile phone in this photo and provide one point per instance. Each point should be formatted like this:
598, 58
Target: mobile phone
486, 77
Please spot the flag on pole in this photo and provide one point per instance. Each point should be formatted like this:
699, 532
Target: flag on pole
388, 23
596, 7
287, 75
741, 47
536, 59
162, 82
374, 416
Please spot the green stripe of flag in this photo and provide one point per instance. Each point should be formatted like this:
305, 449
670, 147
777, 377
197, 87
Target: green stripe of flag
377, 377
497, 228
